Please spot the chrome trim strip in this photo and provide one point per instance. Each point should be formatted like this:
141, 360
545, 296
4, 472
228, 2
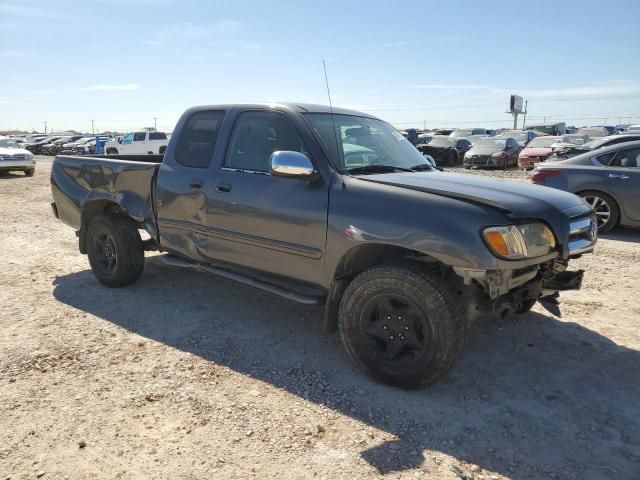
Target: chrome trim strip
581, 245
579, 226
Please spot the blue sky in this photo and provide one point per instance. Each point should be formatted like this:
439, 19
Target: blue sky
123, 62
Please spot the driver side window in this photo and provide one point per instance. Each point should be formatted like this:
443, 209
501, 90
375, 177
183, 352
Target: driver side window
256, 135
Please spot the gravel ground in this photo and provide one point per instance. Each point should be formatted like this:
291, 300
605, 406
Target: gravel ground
185, 375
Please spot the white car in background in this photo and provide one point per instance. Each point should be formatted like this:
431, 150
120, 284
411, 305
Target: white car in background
148, 142
13, 158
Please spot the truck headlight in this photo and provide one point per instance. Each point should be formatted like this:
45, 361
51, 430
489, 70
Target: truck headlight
515, 242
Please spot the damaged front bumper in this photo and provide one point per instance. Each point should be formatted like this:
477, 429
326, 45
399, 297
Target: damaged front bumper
507, 290
501, 292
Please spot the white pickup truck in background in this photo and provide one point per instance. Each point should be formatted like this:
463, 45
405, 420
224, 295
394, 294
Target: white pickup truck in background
138, 143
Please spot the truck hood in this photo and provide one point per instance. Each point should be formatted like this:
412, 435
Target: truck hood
514, 198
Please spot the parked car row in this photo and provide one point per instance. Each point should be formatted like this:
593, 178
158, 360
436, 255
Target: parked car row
144, 142
57, 143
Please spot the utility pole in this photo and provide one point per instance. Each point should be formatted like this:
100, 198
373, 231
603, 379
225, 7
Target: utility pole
155, 123
45, 126
544, 120
524, 120
93, 129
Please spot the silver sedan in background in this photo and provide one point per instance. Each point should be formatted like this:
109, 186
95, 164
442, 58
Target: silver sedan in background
607, 178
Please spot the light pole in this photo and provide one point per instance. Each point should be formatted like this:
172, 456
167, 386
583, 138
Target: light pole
155, 123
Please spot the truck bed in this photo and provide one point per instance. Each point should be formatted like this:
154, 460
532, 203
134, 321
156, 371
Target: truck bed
124, 180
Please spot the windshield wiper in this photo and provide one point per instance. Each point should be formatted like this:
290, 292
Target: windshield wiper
421, 167
378, 169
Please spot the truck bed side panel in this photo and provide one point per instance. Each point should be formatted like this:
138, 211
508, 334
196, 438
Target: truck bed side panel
78, 181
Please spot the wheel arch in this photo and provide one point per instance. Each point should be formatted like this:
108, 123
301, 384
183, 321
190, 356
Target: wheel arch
358, 259
94, 208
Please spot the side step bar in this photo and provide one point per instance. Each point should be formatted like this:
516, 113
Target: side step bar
303, 298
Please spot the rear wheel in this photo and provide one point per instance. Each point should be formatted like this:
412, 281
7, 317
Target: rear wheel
400, 326
605, 207
115, 250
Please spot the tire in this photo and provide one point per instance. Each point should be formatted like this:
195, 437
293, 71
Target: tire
115, 250
453, 158
30, 173
400, 326
112, 151
606, 209
162, 150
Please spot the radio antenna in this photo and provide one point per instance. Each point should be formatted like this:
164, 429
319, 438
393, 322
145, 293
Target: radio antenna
333, 120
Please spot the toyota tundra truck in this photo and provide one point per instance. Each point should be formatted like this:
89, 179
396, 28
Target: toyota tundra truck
331, 207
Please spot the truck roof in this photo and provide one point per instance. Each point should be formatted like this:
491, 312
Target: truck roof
291, 106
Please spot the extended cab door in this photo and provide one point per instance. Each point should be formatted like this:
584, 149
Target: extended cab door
263, 222
184, 181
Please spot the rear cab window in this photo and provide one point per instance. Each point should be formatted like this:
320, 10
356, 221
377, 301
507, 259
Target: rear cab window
198, 138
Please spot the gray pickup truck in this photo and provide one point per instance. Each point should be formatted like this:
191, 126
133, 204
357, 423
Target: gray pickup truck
334, 208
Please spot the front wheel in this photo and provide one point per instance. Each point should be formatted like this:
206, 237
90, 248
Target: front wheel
115, 250
453, 158
605, 207
30, 173
400, 325
112, 151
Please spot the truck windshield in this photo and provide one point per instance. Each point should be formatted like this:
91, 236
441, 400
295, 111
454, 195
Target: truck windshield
359, 142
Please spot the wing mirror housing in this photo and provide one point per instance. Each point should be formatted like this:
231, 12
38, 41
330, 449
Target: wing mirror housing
285, 163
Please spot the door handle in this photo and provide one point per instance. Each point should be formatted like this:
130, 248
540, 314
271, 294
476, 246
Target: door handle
621, 176
223, 188
196, 184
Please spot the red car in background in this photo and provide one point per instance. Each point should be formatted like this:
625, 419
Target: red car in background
538, 150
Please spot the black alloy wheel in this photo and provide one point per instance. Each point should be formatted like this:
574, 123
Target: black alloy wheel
398, 332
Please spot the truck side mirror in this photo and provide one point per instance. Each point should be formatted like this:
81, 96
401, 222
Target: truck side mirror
285, 163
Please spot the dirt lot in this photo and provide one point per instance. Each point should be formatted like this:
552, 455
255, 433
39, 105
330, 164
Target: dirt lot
186, 375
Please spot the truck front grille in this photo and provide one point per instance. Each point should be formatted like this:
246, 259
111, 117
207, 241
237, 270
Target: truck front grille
583, 235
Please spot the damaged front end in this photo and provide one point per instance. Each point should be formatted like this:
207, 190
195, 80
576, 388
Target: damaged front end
502, 292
